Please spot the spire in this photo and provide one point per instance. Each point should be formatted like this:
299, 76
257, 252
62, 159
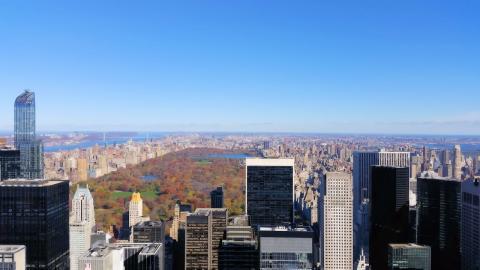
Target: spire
136, 197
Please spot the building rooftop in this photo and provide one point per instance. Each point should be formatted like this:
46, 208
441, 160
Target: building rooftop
11, 248
20, 182
27, 97
207, 211
136, 197
82, 191
148, 224
284, 229
270, 162
151, 249
435, 176
407, 245
97, 252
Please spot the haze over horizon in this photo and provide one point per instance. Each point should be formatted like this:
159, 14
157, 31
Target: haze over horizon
246, 66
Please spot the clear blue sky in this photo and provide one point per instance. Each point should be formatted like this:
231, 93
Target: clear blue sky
404, 66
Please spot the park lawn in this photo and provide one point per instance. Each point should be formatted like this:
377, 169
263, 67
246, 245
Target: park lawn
203, 162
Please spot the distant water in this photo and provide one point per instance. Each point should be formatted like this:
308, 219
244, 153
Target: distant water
100, 142
466, 148
230, 156
149, 178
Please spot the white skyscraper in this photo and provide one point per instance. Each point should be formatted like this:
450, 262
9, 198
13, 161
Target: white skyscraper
457, 162
338, 222
135, 209
82, 207
80, 240
82, 222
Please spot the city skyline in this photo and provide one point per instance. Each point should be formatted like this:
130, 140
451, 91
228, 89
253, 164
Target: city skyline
222, 135
244, 67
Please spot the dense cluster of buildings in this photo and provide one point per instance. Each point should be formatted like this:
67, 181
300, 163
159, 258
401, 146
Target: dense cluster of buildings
325, 204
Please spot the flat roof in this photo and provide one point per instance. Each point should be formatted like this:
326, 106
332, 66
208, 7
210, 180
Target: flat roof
11, 248
207, 211
407, 245
284, 229
20, 182
148, 224
151, 249
270, 162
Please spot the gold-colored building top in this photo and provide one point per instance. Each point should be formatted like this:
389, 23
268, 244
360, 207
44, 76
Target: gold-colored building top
136, 198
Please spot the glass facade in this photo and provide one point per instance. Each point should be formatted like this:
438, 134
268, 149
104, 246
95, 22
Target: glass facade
286, 260
25, 117
216, 198
238, 255
408, 256
9, 164
149, 232
470, 232
35, 214
286, 248
389, 212
270, 195
31, 150
439, 212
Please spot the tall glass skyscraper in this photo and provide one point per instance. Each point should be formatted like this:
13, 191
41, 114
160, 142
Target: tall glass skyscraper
31, 149
362, 162
269, 191
470, 225
34, 213
439, 212
389, 212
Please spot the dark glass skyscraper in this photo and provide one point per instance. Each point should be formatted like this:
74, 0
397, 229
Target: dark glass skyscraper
389, 212
34, 213
269, 191
216, 198
31, 149
470, 239
149, 232
408, 257
9, 164
439, 212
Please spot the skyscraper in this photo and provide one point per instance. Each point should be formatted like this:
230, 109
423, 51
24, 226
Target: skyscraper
269, 191
82, 223
439, 211
34, 213
179, 218
203, 237
135, 209
216, 198
149, 232
470, 231
12, 257
80, 241
196, 242
338, 222
389, 212
457, 162
362, 162
9, 164
239, 250
83, 206
286, 248
409, 257
31, 149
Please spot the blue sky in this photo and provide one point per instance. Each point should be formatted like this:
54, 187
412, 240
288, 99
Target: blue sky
303, 66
